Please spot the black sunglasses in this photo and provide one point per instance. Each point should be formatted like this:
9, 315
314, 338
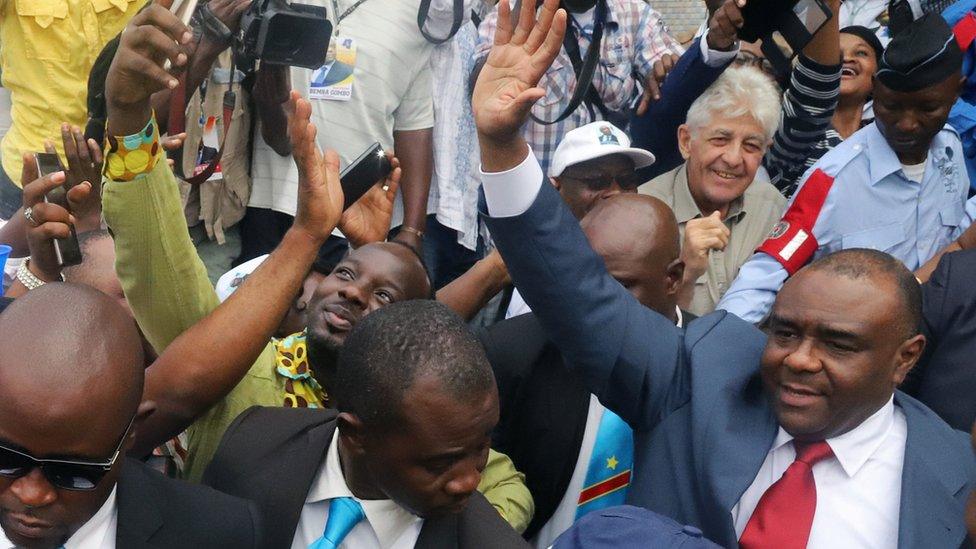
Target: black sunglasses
61, 473
629, 181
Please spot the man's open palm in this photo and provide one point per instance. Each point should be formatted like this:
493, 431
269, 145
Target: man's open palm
507, 85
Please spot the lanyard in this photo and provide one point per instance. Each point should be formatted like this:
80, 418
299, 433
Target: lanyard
347, 13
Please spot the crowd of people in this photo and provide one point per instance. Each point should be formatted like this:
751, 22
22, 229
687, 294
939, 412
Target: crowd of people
617, 288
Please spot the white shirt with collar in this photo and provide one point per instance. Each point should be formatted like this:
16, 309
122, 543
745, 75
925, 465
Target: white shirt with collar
97, 533
858, 490
386, 526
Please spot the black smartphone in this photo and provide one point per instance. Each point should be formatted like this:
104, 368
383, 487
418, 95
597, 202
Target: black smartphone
369, 169
65, 249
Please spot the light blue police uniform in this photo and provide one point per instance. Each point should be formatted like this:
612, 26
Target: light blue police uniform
859, 197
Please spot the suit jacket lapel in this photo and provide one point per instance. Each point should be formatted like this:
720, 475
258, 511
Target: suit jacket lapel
930, 514
735, 448
284, 482
138, 517
439, 533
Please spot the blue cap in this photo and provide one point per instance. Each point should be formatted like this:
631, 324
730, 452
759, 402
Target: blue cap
629, 527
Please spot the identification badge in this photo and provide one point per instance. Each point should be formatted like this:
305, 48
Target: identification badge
333, 80
208, 148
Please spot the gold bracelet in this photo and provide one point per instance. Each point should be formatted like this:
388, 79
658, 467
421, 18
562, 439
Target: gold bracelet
411, 230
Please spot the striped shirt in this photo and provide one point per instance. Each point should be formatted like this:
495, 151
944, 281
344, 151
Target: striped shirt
804, 133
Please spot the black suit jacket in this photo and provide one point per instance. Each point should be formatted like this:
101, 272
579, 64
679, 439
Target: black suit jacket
945, 377
270, 455
156, 512
544, 404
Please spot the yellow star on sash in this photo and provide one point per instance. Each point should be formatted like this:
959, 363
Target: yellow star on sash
612, 462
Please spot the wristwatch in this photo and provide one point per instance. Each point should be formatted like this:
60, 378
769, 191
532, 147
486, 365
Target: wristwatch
29, 279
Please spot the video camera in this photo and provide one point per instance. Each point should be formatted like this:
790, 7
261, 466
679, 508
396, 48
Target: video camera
795, 20
278, 33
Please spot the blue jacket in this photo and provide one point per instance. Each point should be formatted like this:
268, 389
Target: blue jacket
702, 424
657, 129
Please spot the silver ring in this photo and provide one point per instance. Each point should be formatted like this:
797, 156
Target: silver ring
29, 215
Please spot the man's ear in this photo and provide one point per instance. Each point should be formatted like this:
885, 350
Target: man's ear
555, 183
907, 356
684, 141
675, 273
353, 432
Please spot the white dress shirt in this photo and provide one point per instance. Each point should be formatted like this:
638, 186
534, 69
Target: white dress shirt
858, 490
97, 533
386, 526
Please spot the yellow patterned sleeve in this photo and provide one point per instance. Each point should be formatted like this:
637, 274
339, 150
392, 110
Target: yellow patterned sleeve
132, 156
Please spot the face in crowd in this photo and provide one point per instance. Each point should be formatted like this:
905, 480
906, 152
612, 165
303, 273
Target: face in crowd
367, 279
829, 364
859, 65
584, 184
418, 403
637, 237
910, 120
78, 402
723, 157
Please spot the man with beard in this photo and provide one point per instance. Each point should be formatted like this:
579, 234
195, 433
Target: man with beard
218, 360
898, 185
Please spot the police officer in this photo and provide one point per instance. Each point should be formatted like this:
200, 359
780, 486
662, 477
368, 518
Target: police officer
898, 185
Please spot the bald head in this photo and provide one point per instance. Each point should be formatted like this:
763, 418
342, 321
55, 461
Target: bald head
76, 347
637, 237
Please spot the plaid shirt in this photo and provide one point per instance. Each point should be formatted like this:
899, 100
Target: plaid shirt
633, 39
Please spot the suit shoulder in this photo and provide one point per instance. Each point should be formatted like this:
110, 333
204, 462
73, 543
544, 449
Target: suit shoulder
193, 515
945, 448
514, 343
286, 421
480, 526
725, 337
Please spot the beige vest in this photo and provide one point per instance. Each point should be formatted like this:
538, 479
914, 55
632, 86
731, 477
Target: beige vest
219, 203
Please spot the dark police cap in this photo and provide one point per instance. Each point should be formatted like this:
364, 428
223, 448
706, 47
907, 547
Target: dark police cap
629, 527
923, 54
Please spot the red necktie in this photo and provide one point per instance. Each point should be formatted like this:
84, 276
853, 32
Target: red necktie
784, 516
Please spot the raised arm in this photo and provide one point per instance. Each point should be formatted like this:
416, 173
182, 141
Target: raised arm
627, 354
205, 363
808, 106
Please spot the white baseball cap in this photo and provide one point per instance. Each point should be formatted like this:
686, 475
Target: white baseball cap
595, 140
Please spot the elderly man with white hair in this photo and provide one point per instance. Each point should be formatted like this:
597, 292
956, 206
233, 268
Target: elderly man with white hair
723, 210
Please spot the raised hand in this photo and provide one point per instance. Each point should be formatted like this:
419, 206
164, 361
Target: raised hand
368, 220
152, 37
47, 221
84, 166
319, 191
652, 84
701, 236
508, 84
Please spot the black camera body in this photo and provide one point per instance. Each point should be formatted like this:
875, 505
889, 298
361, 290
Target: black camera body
278, 33
796, 21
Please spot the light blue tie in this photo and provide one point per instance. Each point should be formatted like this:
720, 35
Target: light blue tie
344, 515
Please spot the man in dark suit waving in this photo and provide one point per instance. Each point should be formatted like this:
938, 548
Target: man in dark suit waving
71, 377
399, 465
798, 439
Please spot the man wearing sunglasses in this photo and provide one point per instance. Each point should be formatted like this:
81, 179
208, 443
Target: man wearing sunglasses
71, 379
591, 163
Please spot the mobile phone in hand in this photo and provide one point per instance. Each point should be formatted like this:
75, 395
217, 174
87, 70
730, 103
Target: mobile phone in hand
358, 177
67, 250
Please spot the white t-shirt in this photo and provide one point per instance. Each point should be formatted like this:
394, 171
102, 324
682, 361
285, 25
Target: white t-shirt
914, 172
391, 91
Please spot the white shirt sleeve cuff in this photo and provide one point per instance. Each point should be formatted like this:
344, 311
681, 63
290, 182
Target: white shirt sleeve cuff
511, 193
716, 58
